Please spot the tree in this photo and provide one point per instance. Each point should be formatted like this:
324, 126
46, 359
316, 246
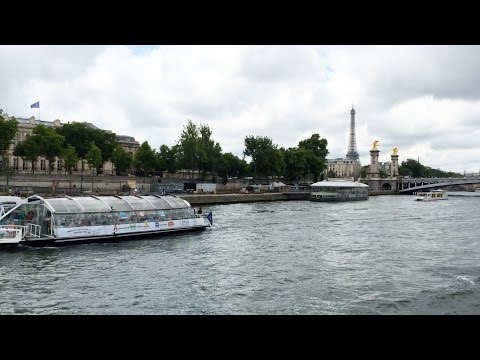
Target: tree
167, 158
316, 153
208, 151
106, 142
145, 158
263, 153
79, 135
19, 150
50, 144
364, 171
70, 158
230, 165
122, 160
8, 130
29, 149
94, 157
296, 163
189, 147
278, 163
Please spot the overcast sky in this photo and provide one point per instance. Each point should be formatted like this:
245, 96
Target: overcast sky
425, 100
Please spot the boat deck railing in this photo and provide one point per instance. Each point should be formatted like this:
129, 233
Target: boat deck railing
11, 233
33, 230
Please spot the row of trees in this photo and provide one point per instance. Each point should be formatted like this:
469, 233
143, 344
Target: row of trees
415, 169
195, 151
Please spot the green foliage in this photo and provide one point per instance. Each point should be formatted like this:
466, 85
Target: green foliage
94, 157
50, 144
296, 163
230, 165
316, 153
70, 158
122, 160
29, 149
208, 151
145, 159
8, 130
364, 171
414, 169
79, 135
188, 147
106, 141
196, 150
265, 156
167, 158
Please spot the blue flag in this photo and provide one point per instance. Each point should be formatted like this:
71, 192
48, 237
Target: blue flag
210, 217
36, 105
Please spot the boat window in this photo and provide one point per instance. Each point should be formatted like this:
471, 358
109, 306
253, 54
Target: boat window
138, 203
64, 205
159, 203
91, 204
117, 204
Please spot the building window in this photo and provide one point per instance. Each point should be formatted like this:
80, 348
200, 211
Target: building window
15, 163
42, 164
24, 165
59, 165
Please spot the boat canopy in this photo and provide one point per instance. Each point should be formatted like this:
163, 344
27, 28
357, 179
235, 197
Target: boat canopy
339, 183
88, 204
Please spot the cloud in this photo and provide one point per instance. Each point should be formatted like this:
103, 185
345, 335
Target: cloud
422, 99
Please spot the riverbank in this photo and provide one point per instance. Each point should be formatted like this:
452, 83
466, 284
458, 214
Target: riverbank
209, 199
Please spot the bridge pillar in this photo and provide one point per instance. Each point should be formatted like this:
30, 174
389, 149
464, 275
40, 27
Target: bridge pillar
374, 173
394, 167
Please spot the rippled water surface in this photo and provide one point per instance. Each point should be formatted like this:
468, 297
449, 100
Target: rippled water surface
387, 255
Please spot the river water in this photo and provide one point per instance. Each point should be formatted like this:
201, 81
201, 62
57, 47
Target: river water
387, 255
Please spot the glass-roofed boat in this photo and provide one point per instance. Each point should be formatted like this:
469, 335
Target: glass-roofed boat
338, 190
42, 221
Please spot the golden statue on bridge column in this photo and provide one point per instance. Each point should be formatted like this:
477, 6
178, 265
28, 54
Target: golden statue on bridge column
395, 151
375, 145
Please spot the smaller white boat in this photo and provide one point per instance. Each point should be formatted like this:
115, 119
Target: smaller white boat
8, 202
430, 195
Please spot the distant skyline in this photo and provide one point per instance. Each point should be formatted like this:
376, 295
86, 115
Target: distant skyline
422, 99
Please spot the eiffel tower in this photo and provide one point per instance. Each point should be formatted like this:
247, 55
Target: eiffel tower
352, 153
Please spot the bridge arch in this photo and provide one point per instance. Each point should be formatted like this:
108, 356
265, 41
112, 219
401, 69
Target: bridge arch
386, 187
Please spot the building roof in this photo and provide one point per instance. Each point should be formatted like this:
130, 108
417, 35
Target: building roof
57, 123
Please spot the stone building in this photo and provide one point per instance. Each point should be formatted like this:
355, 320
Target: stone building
26, 126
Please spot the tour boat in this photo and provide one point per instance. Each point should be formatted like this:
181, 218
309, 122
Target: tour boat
338, 190
430, 195
39, 221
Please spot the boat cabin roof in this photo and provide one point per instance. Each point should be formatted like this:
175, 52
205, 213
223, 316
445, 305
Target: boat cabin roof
339, 183
86, 204
10, 200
